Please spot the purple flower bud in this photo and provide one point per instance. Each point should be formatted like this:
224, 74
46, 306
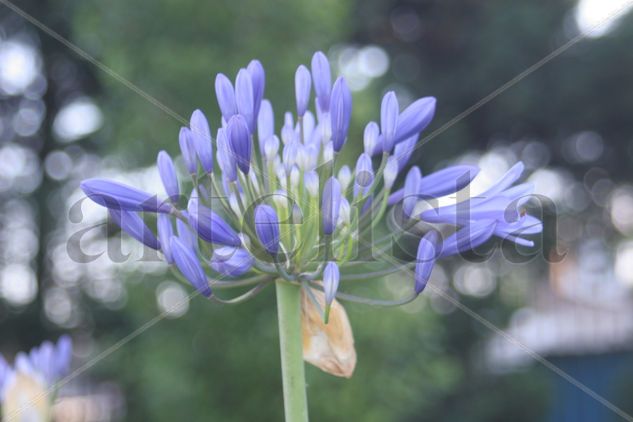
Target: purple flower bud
411, 190
134, 225
340, 112
331, 278
258, 78
187, 150
240, 142
226, 96
290, 154
210, 226
468, 237
331, 204
165, 233
389, 110
370, 139
364, 172
231, 262
265, 124
403, 151
118, 196
311, 181
415, 118
226, 160
303, 84
190, 267
185, 235
391, 172
167, 172
446, 181
267, 228
427, 254
322, 80
201, 134
271, 148
244, 98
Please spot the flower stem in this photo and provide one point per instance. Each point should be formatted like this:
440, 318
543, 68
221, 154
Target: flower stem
291, 346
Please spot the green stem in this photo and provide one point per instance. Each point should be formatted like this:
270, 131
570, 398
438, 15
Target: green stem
291, 346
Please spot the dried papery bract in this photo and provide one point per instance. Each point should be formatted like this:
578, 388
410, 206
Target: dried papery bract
329, 347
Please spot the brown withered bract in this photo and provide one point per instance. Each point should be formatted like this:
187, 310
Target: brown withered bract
329, 347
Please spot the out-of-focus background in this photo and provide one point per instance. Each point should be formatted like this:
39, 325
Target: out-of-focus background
62, 119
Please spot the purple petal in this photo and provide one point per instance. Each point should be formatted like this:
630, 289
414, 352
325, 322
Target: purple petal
411, 190
226, 158
506, 180
231, 262
364, 172
210, 226
165, 232
258, 79
446, 181
265, 124
185, 139
468, 237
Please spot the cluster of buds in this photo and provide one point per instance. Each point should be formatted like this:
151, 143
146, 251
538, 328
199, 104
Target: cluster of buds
26, 388
278, 205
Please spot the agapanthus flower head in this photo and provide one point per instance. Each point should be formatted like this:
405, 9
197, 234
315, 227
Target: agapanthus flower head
289, 210
27, 387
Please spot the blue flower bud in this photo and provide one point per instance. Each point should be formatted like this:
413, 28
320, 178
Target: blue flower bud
411, 191
226, 160
322, 80
133, 224
331, 277
468, 237
265, 124
231, 262
344, 177
290, 154
389, 110
244, 98
210, 226
311, 180
395, 197
185, 139
370, 139
165, 233
240, 142
185, 235
303, 84
330, 205
190, 267
391, 172
364, 172
119, 196
403, 151
267, 228
271, 147
258, 78
167, 172
415, 118
428, 252
226, 96
340, 112
201, 134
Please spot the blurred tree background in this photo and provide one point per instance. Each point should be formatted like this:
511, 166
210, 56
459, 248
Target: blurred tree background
425, 361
